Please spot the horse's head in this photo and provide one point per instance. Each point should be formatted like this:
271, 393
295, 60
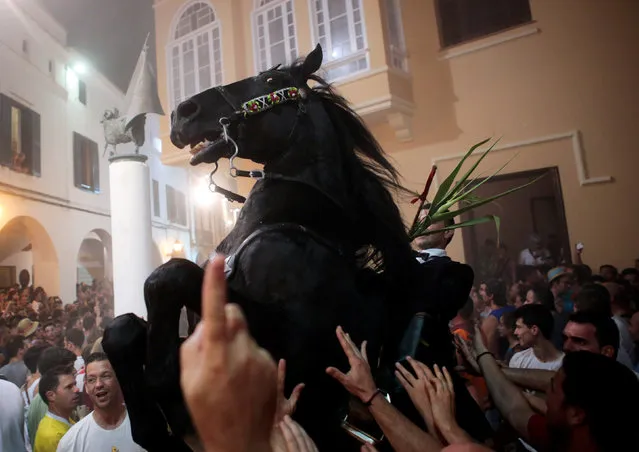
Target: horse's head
258, 113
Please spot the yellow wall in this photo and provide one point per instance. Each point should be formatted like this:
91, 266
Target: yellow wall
569, 84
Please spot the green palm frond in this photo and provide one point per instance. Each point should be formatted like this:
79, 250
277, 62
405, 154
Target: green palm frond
461, 193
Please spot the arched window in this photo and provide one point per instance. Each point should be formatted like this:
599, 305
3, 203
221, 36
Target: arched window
339, 27
274, 36
195, 53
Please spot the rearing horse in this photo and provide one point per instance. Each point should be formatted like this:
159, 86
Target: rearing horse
322, 214
319, 242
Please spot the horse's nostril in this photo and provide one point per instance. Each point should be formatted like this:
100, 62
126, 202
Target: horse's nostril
188, 109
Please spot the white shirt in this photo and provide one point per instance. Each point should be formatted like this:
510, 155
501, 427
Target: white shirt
527, 258
78, 363
88, 436
626, 344
527, 360
11, 418
430, 252
29, 394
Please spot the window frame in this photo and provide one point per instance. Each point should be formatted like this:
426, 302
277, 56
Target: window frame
442, 38
78, 138
259, 10
175, 219
331, 63
30, 131
393, 51
156, 206
82, 92
209, 28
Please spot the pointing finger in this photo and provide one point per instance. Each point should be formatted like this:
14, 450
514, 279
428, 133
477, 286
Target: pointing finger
281, 376
214, 300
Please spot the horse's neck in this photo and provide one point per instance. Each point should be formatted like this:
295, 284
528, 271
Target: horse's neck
285, 201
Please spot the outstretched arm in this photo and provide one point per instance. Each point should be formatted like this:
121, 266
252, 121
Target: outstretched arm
535, 379
403, 435
507, 397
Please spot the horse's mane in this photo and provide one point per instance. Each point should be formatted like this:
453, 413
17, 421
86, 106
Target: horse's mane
377, 181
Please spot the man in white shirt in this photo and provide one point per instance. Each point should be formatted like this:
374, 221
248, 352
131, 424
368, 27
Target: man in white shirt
533, 329
11, 417
535, 255
107, 428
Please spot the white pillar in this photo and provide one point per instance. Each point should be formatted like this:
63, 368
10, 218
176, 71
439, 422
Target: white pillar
131, 232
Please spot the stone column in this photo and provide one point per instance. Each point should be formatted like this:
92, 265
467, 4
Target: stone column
131, 231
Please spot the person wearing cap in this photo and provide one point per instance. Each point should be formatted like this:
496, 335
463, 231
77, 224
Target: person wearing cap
560, 283
27, 327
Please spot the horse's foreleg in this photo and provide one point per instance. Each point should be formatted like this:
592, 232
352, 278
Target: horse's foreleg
124, 342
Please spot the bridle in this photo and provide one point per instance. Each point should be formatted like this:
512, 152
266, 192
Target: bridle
247, 109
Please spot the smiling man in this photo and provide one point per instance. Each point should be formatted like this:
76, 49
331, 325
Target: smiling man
108, 426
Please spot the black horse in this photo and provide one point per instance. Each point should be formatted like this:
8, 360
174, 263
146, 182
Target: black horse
319, 243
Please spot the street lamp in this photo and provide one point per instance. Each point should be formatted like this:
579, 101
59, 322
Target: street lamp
178, 246
80, 68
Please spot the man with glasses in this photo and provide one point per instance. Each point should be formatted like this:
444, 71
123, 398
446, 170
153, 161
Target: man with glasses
108, 426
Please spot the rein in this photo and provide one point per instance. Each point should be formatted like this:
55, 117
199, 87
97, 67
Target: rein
249, 108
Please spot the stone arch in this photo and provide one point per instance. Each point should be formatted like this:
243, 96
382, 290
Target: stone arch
95, 257
25, 242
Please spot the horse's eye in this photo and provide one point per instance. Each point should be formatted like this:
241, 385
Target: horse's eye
269, 80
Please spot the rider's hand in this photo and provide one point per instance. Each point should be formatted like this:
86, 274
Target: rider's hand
359, 380
229, 382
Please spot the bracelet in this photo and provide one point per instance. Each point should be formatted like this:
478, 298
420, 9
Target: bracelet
377, 392
482, 354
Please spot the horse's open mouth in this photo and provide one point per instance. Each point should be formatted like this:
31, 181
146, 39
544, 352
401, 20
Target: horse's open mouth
209, 150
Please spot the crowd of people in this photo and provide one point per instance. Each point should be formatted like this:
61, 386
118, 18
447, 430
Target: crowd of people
549, 356
47, 360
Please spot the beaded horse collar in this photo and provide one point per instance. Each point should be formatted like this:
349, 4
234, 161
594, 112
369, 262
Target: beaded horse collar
270, 100
251, 107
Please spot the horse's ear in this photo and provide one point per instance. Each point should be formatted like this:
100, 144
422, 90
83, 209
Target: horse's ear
312, 63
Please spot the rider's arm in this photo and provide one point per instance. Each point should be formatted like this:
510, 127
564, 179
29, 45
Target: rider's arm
402, 434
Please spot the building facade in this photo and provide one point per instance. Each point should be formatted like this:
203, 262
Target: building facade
54, 174
554, 81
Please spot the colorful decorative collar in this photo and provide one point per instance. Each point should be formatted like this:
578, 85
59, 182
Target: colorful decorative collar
270, 100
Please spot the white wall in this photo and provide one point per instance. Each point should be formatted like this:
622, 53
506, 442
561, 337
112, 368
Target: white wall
56, 208
21, 261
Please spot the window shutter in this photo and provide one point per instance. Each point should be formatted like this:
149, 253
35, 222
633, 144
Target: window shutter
36, 145
77, 160
26, 130
95, 160
6, 154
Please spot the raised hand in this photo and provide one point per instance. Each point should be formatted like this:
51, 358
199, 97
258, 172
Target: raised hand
229, 382
442, 395
293, 438
285, 407
359, 380
417, 390
468, 352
